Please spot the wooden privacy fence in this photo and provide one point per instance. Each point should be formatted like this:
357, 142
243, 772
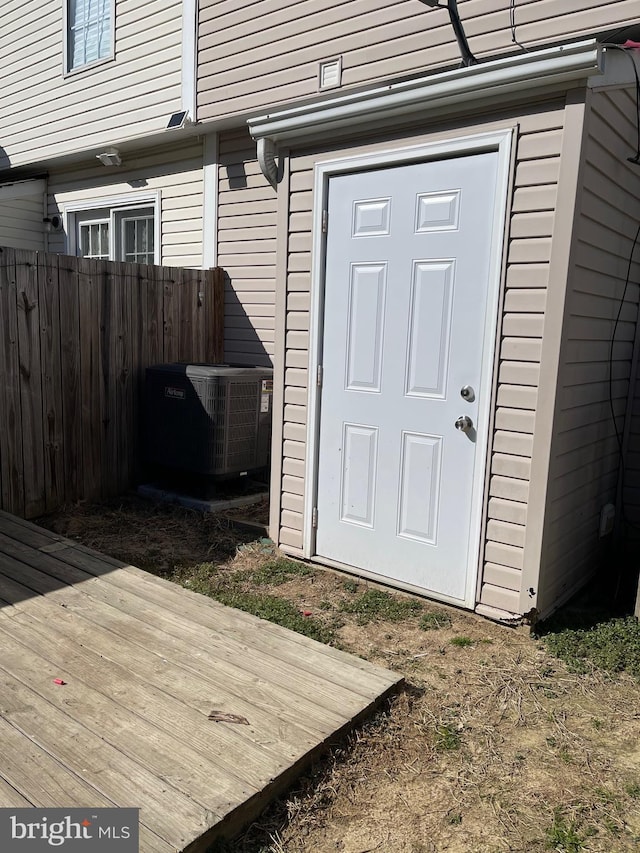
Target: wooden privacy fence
75, 338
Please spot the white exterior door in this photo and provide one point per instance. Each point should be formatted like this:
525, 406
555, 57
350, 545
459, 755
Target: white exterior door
408, 261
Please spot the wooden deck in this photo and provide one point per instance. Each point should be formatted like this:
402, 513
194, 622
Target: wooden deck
145, 662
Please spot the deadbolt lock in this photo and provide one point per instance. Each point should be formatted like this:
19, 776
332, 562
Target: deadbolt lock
467, 393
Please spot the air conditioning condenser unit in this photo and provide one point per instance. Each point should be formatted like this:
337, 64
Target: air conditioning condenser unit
208, 419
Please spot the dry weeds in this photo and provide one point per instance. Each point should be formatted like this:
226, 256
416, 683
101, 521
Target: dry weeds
493, 746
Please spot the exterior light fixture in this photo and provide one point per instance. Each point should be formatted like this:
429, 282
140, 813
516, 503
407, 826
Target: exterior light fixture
110, 157
53, 223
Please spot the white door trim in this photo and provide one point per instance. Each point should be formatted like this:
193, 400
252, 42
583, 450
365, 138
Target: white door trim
499, 142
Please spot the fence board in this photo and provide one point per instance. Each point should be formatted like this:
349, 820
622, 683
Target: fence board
171, 322
90, 390
30, 383
68, 287
11, 479
128, 403
77, 336
110, 283
50, 367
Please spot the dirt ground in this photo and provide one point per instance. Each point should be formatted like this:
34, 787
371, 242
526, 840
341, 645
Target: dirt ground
493, 745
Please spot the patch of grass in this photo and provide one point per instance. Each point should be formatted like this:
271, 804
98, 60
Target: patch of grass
200, 578
376, 605
605, 796
565, 755
454, 818
433, 620
613, 827
279, 571
461, 641
275, 609
632, 789
447, 737
350, 585
613, 645
563, 835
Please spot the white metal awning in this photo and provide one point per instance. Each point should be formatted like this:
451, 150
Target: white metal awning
493, 82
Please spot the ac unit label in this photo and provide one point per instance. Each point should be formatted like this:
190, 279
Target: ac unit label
174, 393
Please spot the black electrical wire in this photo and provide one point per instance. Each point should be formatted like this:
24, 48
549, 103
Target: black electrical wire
636, 161
619, 437
512, 25
613, 336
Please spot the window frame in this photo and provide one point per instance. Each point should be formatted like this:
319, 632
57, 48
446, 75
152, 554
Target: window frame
116, 205
67, 69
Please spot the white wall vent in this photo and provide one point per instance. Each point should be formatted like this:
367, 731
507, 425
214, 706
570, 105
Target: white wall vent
330, 74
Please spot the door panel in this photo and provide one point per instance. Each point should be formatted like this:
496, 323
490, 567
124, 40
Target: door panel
406, 282
430, 328
365, 326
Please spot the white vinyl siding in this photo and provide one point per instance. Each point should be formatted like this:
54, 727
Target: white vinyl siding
89, 35
21, 215
175, 173
45, 114
241, 70
530, 228
585, 455
246, 251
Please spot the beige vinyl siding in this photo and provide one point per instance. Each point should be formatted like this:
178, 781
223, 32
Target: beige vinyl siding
256, 55
585, 457
247, 210
21, 214
45, 114
538, 140
176, 172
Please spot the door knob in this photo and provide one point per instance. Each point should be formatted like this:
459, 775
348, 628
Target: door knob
464, 423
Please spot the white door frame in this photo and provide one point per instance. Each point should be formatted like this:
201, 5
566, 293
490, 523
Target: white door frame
500, 142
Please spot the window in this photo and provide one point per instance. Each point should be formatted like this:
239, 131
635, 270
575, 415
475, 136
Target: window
94, 239
117, 234
89, 32
136, 237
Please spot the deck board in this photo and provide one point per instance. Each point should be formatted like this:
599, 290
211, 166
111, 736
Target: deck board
145, 661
